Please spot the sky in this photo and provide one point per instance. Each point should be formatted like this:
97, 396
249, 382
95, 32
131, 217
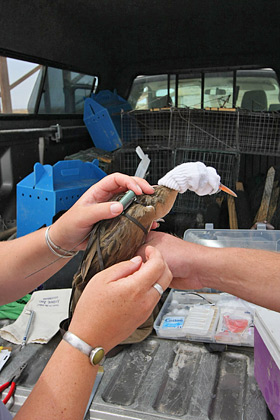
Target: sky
21, 93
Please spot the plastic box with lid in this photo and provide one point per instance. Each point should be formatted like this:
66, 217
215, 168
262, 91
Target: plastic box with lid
206, 317
51, 190
260, 238
102, 117
230, 318
267, 357
188, 316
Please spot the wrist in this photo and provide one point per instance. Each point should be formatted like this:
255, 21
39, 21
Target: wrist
94, 354
58, 236
94, 337
208, 266
75, 358
56, 248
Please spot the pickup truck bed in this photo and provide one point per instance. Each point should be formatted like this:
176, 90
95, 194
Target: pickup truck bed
161, 379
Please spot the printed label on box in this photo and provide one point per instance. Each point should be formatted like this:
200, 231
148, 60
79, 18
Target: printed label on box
173, 322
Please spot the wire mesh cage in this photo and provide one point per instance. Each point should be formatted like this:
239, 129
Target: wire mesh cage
176, 127
162, 161
147, 128
165, 159
225, 131
259, 133
217, 138
200, 129
227, 166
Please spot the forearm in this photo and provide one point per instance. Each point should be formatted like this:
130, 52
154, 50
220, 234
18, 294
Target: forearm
112, 306
63, 390
26, 262
253, 275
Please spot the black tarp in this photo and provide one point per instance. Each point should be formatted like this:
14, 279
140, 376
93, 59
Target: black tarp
117, 39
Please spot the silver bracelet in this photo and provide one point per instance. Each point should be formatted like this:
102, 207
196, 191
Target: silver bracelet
96, 355
57, 250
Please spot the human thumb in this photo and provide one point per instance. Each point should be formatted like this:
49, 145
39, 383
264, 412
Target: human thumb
116, 208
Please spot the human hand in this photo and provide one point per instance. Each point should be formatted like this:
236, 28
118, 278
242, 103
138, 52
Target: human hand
119, 299
180, 256
74, 225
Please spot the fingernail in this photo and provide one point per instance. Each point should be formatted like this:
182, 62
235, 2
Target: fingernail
116, 208
136, 260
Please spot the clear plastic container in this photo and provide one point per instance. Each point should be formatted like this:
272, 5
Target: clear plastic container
206, 317
259, 238
189, 316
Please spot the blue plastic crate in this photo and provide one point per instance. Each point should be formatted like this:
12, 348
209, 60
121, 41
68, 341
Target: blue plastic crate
102, 117
49, 190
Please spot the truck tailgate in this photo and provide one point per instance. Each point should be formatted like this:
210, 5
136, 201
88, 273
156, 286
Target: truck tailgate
162, 379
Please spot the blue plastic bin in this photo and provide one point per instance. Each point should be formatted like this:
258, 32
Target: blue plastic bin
51, 189
102, 117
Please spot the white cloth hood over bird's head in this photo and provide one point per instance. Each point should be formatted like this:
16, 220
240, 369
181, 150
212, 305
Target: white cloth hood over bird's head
193, 176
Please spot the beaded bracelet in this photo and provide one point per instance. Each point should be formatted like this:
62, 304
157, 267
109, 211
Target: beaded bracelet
57, 250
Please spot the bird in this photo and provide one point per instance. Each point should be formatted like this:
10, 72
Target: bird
115, 240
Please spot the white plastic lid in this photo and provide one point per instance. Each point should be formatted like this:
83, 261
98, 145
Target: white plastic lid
261, 238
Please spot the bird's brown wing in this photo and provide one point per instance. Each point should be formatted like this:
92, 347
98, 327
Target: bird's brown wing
78, 283
110, 242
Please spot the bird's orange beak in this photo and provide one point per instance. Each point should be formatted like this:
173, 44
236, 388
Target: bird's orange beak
227, 190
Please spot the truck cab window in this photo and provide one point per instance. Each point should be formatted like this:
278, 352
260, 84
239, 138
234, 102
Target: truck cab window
152, 92
218, 90
258, 90
251, 90
189, 91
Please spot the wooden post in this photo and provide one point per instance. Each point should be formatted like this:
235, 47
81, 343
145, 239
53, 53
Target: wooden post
5, 87
263, 210
273, 201
233, 224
